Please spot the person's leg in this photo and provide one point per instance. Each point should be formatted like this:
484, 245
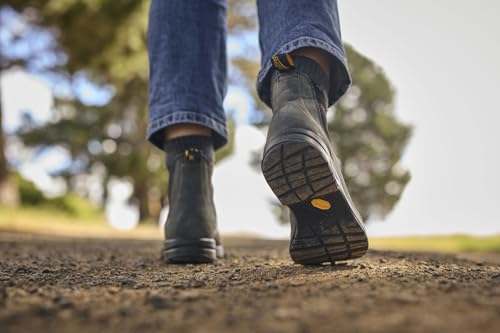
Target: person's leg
302, 27
323, 58
186, 129
187, 54
303, 72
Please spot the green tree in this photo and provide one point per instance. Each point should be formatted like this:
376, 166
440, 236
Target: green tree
17, 51
366, 133
106, 40
110, 52
369, 138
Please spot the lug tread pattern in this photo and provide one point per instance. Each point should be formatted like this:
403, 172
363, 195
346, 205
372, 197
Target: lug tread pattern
297, 173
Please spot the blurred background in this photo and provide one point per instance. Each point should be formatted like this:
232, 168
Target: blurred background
418, 131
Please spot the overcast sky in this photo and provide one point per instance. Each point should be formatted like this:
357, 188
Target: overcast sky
443, 58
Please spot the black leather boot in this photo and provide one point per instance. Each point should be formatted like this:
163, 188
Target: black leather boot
191, 228
301, 168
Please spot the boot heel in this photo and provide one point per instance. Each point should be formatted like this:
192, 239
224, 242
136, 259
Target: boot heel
178, 250
297, 171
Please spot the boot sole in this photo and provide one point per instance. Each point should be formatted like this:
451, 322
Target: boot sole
301, 174
185, 251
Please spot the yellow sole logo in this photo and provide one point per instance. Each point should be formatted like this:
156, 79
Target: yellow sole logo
321, 204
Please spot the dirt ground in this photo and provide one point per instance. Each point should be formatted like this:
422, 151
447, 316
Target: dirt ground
89, 285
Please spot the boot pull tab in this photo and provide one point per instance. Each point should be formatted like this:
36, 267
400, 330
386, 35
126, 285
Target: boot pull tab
192, 154
283, 62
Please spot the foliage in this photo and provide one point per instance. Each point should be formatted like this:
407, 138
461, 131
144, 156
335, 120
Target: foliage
105, 41
29, 194
369, 139
70, 204
366, 133
112, 53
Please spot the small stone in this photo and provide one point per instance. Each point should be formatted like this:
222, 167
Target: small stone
235, 277
382, 261
452, 286
57, 299
333, 286
84, 313
22, 269
496, 277
158, 302
43, 310
197, 284
296, 283
66, 304
113, 290
179, 286
191, 295
125, 281
285, 313
3, 295
123, 312
236, 283
495, 291
406, 298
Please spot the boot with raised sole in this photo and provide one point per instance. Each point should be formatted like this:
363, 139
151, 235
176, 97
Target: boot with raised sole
301, 168
191, 228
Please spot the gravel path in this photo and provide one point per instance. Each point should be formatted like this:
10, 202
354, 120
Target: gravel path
96, 285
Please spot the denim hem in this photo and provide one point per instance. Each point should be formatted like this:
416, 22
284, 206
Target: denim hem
340, 72
155, 131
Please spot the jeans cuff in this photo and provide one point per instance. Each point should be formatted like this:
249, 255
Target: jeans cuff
340, 79
156, 134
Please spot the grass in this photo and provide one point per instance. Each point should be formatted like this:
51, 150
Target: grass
53, 222
452, 243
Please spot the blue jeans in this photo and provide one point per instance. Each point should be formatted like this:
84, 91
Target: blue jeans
187, 56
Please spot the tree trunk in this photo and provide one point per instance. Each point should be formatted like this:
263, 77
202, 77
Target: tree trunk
9, 196
142, 195
3, 160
